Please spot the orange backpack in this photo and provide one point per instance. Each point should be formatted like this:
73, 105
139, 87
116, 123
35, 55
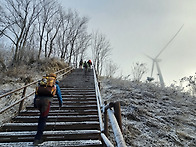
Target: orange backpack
46, 87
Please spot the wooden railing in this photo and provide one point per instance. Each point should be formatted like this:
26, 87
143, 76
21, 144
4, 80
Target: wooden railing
59, 73
113, 111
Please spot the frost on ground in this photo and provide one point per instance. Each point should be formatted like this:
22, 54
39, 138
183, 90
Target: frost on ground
8, 86
12, 98
153, 116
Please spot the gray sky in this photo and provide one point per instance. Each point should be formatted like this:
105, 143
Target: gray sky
138, 27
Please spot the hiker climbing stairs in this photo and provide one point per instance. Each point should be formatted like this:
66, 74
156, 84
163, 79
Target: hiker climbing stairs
76, 123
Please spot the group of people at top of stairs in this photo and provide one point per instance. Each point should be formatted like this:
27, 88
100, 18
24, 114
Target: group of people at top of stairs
86, 65
46, 89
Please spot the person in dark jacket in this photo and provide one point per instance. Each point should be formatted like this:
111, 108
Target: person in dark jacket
43, 103
81, 63
85, 65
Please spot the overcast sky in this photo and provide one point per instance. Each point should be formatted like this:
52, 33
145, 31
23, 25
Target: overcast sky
138, 27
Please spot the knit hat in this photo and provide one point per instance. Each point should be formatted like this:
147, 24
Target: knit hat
52, 75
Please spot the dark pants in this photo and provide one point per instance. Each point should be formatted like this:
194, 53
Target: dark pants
43, 105
85, 71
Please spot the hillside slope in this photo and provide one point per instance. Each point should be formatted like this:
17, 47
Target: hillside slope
153, 116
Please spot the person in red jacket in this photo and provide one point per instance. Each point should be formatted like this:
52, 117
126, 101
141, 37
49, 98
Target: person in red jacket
89, 63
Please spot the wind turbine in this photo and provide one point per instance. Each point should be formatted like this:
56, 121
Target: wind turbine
156, 60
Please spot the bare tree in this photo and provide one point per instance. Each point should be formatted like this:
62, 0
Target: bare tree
2, 60
100, 50
81, 46
19, 17
49, 9
56, 24
78, 26
111, 69
4, 57
42, 26
138, 70
2, 27
64, 33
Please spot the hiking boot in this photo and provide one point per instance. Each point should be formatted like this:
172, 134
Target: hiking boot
37, 142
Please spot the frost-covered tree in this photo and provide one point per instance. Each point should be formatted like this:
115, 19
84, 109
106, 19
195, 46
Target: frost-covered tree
190, 82
138, 70
18, 19
110, 69
5, 57
100, 50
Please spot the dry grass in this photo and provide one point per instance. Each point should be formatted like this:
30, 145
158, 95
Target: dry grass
22, 72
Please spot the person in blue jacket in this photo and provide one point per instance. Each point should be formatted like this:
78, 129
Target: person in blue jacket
43, 103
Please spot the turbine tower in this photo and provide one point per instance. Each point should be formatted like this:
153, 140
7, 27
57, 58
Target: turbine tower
156, 60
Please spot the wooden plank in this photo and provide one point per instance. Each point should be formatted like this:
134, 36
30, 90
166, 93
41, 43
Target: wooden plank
50, 135
75, 143
63, 118
60, 112
51, 125
65, 107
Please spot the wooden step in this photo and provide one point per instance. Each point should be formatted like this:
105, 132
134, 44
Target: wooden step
60, 112
69, 92
77, 99
86, 125
71, 102
25, 136
74, 107
76, 143
62, 118
78, 95
78, 89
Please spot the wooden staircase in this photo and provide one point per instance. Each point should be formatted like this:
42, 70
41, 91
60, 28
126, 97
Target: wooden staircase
76, 123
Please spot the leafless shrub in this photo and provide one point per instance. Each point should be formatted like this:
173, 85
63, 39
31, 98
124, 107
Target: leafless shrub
190, 83
138, 70
110, 69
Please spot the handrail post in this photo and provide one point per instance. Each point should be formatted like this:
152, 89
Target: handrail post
23, 94
105, 121
117, 113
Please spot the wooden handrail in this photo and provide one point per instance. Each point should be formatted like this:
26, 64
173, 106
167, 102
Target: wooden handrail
18, 89
13, 91
16, 102
27, 85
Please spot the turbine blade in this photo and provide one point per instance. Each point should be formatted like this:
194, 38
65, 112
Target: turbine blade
149, 56
169, 41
